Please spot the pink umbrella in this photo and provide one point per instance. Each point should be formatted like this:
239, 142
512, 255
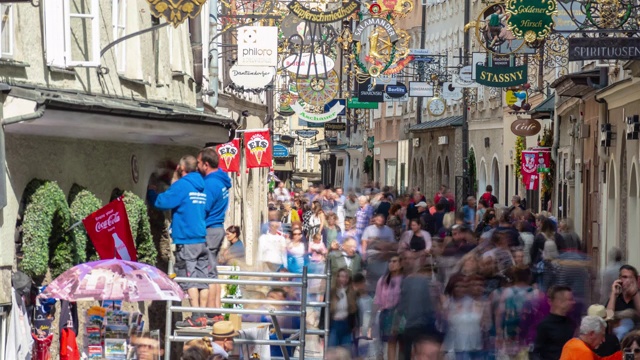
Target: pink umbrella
113, 280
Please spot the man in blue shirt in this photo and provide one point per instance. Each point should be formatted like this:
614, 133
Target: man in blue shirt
187, 200
216, 186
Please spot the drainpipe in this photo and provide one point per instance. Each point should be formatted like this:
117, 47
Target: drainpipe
556, 134
3, 168
213, 53
195, 30
604, 110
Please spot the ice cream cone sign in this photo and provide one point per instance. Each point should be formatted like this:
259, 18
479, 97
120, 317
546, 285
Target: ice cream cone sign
258, 149
229, 156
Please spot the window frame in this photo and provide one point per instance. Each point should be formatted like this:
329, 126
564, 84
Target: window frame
119, 23
10, 28
95, 34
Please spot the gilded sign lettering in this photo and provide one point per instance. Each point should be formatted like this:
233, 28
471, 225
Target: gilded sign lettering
322, 17
531, 20
501, 76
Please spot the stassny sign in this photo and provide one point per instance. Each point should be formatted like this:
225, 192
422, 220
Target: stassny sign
604, 48
501, 76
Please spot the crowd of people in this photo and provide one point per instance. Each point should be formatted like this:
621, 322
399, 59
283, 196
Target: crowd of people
417, 278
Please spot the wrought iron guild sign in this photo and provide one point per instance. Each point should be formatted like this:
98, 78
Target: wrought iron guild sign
176, 11
531, 20
318, 17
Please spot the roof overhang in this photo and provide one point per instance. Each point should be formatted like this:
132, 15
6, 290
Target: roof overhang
620, 93
545, 109
577, 84
84, 116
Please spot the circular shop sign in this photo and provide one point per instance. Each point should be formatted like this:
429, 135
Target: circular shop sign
252, 77
526, 127
307, 65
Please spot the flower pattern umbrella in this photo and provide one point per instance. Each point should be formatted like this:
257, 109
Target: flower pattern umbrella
113, 280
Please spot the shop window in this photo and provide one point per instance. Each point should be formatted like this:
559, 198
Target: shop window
72, 33
6, 31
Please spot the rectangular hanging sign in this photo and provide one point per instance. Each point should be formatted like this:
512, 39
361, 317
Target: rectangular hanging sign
501, 76
604, 48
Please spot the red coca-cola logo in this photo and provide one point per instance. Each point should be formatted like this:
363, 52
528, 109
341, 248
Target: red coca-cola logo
109, 222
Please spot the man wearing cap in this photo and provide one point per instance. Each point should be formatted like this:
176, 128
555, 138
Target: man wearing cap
223, 334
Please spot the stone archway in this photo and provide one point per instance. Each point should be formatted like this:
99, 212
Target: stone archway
495, 177
439, 172
446, 180
482, 177
633, 214
422, 181
414, 173
611, 212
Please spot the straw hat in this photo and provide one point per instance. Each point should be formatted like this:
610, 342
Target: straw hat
223, 330
600, 311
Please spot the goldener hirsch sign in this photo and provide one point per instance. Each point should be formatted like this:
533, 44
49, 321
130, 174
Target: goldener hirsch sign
604, 48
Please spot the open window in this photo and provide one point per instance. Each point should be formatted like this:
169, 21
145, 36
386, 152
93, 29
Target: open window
72, 33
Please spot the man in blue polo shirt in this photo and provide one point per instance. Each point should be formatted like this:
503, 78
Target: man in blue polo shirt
216, 186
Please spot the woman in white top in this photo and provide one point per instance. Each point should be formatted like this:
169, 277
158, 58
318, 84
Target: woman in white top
272, 248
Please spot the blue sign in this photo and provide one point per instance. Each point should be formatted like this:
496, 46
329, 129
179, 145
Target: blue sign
280, 151
307, 134
396, 91
332, 103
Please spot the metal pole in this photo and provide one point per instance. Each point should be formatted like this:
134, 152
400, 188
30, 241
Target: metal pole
423, 36
169, 317
327, 309
465, 107
303, 314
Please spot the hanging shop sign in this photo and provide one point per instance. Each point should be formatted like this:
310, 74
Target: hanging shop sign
258, 46
230, 155
622, 48
567, 11
369, 93
332, 103
175, 11
355, 103
313, 16
633, 127
308, 64
395, 91
518, 98
335, 126
451, 92
317, 118
280, 151
109, 231
531, 20
258, 149
316, 91
420, 89
526, 127
501, 76
252, 77
374, 21
307, 134
286, 140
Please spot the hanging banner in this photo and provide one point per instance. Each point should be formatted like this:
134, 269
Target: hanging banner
258, 46
533, 164
229, 153
317, 118
257, 149
109, 231
501, 76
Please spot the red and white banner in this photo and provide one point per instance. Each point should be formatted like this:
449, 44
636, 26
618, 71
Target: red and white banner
534, 164
229, 154
258, 149
109, 230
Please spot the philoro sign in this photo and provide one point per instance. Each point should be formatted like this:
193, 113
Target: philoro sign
258, 46
604, 48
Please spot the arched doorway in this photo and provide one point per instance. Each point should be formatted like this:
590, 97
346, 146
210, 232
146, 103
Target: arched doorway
633, 214
495, 177
445, 173
421, 182
414, 173
611, 212
482, 177
439, 173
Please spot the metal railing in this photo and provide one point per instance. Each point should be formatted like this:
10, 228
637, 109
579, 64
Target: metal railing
298, 336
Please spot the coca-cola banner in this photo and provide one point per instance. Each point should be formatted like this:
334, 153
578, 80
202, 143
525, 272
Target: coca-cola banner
229, 154
534, 165
109, 231
258, 149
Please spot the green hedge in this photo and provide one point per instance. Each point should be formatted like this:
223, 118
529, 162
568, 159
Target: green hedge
140, 228
81, 204
45, 241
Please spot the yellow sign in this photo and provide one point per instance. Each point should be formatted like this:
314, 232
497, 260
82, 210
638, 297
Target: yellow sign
176, 11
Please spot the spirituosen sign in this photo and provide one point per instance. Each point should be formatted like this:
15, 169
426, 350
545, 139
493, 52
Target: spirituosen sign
531, 20
374, 21
622, 48
323, 17
501, 76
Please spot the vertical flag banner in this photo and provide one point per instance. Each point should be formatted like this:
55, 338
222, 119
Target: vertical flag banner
109, 231
229, 154
534, 165
258, 149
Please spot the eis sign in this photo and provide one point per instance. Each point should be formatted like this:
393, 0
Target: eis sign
258, 46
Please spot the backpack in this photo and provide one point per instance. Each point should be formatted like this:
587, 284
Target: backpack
515, 308
489, 199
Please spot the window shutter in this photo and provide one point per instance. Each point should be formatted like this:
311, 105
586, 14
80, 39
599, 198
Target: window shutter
54, 32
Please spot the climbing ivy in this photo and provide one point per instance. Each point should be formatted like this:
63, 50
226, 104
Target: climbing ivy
81, 204
521, 144
46, 244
